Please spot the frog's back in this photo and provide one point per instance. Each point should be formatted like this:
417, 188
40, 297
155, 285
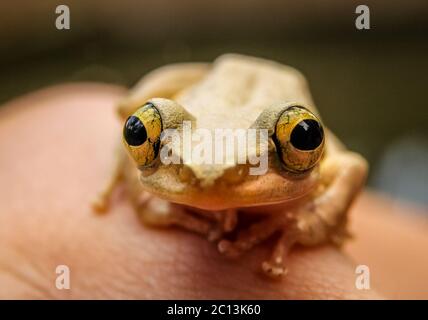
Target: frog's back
238, 88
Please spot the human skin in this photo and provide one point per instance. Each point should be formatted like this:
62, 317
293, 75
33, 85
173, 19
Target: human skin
57, 146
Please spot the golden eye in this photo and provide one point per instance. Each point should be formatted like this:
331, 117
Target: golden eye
141, 134
299, 139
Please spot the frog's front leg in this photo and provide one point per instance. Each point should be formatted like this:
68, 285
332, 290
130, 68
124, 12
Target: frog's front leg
156, 212
225, 221
322, 219
151, 210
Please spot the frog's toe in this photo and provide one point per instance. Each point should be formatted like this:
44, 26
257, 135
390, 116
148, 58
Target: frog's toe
228, 248
215, 234
274, 270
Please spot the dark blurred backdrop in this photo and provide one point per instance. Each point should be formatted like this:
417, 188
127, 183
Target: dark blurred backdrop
369, 85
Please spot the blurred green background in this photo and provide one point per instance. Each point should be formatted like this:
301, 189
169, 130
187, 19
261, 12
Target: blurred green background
369, 85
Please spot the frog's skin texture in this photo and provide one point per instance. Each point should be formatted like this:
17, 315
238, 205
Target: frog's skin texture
236, 91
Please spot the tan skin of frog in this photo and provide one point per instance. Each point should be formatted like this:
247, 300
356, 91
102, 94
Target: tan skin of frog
303, 197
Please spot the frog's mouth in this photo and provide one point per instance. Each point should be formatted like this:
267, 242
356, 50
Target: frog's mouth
258, 191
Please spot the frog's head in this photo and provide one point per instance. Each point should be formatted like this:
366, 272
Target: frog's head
294, 145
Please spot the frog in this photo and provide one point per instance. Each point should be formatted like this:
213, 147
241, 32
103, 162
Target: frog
304, 196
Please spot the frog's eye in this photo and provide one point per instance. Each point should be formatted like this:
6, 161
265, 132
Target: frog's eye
299, 139
141, 134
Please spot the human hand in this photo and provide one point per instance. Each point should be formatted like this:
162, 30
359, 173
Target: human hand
57, 146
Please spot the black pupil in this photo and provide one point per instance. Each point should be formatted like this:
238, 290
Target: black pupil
307, 135
134, 131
